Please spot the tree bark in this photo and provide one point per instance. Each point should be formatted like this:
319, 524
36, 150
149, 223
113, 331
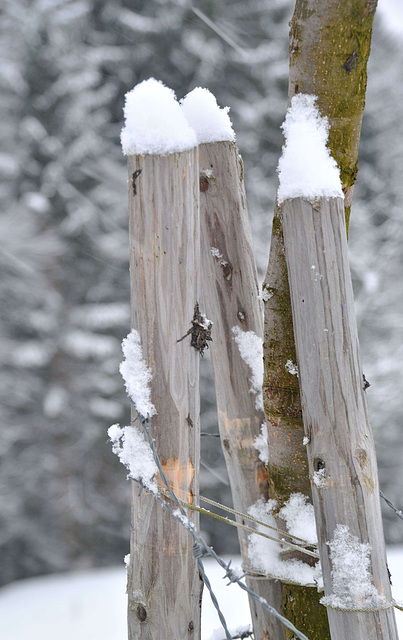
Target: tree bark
329, 49
230, 290
341, 451
164, 588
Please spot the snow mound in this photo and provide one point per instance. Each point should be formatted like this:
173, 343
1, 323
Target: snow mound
154, 121
306, 169
209, 121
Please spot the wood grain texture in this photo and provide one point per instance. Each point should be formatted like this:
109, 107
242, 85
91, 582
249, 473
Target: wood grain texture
230, 292
333, 399
164, 588
288, 461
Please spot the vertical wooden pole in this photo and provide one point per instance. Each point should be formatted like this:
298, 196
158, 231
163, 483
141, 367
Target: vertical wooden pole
230, 292
164, 588
341, 453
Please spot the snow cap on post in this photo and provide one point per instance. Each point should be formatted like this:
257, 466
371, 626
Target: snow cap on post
154, 122
209, 121
306, 169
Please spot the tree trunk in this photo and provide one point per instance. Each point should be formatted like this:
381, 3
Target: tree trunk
230, 290
164, 588
329, 49
341, 451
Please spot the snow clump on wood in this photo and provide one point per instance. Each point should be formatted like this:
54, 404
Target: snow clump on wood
209, 121
251, 349
351, 579
134, 452
136, 375
299, 517
262, 445
154, 121
306, 169
265, 556
291, 368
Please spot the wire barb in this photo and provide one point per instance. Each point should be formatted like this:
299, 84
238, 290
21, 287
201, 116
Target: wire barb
198, 551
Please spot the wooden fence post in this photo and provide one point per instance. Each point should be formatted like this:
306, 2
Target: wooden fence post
164, 588
230, 293
341, 451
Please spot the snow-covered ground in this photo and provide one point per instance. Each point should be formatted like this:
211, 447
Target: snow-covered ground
92, 604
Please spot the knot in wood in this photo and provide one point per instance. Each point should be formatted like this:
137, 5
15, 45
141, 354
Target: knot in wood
135, 175
319, 465
141, 613
204, 183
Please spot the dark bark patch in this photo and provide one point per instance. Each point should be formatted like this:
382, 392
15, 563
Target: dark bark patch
135, 175
351, 62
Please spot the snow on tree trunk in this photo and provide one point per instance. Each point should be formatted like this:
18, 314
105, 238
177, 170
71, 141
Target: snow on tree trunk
329, 49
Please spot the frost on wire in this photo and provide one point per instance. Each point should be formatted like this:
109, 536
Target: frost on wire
306, 169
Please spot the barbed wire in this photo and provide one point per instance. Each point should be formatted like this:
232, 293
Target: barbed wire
304, 543
244, 527
201, 548
397, 511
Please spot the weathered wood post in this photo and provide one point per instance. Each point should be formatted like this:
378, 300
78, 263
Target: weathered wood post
164, 588
341, 454
230, 293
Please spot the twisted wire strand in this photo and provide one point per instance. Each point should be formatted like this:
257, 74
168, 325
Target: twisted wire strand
256, 521
390, 504
244, 527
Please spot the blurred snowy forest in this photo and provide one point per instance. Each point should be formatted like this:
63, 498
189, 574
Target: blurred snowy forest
64, 286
